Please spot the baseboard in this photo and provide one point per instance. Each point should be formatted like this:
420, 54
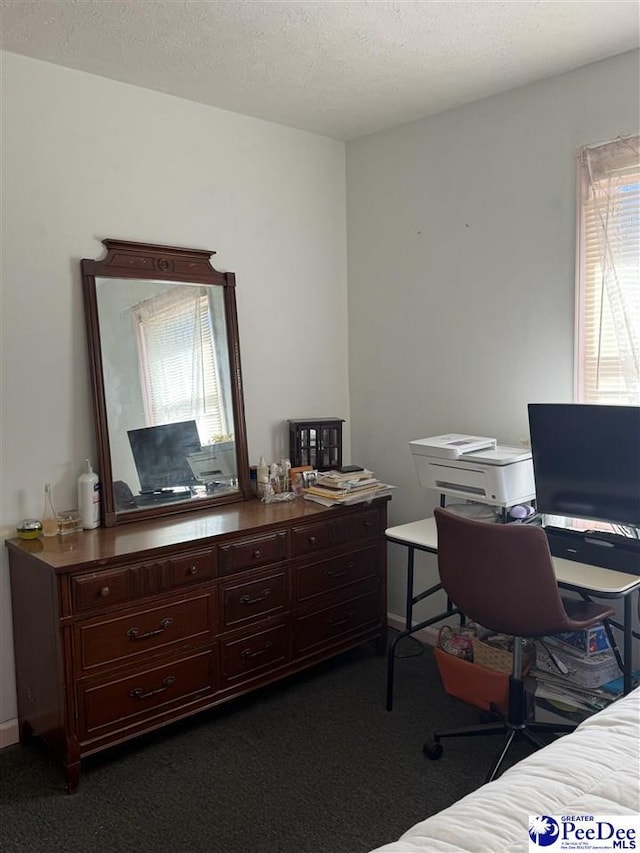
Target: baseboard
425, 635
9, 733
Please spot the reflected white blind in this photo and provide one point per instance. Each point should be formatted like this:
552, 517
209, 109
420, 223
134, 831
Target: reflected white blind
608, 307
178, 368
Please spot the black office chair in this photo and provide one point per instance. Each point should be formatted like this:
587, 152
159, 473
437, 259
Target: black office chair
502, 576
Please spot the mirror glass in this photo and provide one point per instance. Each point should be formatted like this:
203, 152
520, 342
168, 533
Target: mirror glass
167, 388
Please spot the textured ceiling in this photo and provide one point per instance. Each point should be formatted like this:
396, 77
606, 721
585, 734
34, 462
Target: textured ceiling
341, 68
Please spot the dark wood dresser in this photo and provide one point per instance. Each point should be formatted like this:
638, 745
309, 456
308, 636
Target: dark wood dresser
120, 631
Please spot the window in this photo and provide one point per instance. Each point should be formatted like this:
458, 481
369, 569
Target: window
177, 360
608, 273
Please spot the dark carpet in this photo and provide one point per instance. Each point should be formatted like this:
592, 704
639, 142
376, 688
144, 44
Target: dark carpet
314, 764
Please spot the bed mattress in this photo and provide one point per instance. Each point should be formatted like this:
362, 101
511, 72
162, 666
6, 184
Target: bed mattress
594, 770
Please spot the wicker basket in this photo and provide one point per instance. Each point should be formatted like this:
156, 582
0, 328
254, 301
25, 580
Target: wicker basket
490, 657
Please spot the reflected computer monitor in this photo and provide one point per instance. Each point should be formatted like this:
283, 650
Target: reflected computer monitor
160, 455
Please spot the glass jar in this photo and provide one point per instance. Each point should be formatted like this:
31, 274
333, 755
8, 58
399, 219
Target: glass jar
29, 528
69, 522
49, 515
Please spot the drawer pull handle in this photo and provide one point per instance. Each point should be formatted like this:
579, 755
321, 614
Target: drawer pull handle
134, 633
367, 523
248, 653
193, 570
336, 622
247, 600
333, 573
312, 540
104, 591
139, 693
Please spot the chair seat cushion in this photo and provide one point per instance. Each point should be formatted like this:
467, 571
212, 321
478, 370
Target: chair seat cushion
584, 614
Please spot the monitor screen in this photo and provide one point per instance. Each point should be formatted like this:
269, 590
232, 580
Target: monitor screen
586, 461
160, 454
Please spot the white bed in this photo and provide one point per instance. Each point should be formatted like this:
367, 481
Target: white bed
594, 770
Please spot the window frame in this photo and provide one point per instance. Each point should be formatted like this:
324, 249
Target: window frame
148, 318
585, 390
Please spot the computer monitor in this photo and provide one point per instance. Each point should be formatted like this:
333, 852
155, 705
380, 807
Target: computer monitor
160, 455
586, 461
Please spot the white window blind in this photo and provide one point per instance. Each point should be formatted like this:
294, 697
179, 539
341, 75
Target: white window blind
177, 361
608, 303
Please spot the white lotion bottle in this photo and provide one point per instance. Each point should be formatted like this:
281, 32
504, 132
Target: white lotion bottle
89, 497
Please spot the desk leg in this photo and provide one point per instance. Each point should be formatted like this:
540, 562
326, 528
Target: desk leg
408, 610
408, 623
612, 642
627, 643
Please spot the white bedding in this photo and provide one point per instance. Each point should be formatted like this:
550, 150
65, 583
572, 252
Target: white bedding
594, 770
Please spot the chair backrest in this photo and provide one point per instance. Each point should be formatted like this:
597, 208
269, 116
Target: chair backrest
500, 575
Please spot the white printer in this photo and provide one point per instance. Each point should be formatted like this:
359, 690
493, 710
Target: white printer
214, 462
474, 467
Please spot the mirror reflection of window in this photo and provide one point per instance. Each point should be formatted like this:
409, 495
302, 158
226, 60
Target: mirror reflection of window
178, 363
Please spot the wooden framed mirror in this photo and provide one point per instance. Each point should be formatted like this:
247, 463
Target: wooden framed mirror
164, 352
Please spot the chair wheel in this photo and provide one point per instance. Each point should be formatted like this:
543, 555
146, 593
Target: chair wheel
433, 750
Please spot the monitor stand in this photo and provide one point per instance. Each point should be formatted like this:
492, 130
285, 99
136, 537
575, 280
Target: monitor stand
607, 550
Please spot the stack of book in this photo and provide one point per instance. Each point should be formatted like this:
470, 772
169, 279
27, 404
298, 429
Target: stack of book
334, 487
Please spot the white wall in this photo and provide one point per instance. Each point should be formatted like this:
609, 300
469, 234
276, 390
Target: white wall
86, 158
461, 241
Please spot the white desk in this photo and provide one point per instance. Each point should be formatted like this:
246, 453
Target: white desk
589, 581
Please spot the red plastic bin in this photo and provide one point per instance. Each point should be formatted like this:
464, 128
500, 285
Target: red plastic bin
471, 682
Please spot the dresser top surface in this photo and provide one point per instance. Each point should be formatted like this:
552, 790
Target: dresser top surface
139, 538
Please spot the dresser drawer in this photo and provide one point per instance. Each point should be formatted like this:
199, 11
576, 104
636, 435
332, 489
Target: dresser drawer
332, 623
253, 553
113, 586
317, 578
100, 589
143, 695
243, 600
251, 654
193, 568
364, 525
311, 538
109, 640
